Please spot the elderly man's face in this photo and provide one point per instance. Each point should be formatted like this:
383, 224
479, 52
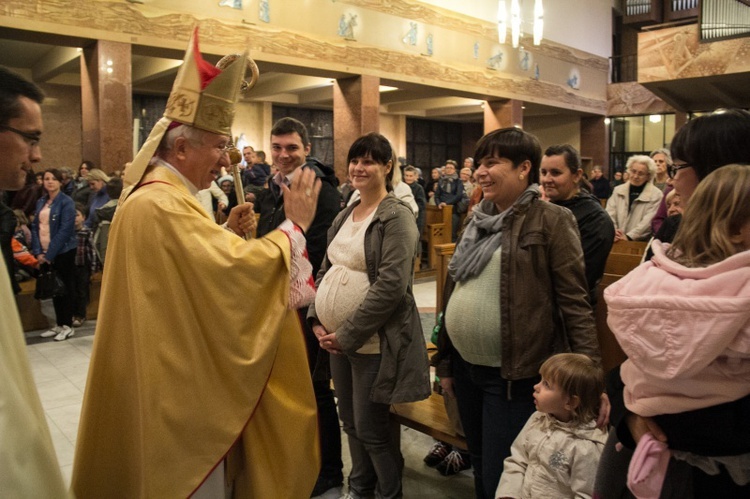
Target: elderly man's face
20, 151
199, 162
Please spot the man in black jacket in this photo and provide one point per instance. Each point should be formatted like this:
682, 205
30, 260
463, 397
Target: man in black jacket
289, 149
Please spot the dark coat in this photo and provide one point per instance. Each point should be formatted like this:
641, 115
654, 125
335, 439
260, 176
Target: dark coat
597, 236
8, 224
270, 205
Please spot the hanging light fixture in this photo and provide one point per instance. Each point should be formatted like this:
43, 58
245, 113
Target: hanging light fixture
538, 21
515, 22
502, 21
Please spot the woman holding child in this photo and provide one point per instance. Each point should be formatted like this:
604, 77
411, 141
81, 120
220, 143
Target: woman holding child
516, 294
698, 403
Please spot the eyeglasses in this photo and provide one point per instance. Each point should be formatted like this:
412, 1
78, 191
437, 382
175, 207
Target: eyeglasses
31, 138
672, 169
636, 173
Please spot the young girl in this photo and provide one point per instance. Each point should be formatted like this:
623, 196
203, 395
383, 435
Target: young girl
557, 452
683, 319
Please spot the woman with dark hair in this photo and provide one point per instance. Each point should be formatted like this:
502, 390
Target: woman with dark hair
54, 242
516, 294
702, 146
81, 192
365, 315
560, 175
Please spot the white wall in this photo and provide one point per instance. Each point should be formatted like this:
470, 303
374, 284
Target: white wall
582, 24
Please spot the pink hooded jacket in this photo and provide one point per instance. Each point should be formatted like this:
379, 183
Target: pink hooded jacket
686, 332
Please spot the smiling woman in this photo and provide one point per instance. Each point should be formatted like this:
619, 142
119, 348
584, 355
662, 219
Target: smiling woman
516, 293
365, 315
560, 175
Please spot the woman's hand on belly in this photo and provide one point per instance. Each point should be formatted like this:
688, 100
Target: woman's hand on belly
330, 343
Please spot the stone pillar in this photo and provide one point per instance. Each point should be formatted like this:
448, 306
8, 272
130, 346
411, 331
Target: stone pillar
595, 142
107, 105
502, 114
356, 111
680, 118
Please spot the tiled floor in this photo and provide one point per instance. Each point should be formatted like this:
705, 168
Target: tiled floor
60, 370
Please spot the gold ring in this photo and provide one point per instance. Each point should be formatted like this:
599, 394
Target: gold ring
308, 192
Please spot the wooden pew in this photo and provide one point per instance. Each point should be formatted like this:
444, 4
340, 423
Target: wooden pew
437, 230
624, 257
30, 309
427, 416
443, 254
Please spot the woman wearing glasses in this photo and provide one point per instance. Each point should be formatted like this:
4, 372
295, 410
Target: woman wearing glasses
634, 203
702, 146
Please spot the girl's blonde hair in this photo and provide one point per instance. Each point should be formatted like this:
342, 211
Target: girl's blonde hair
718, 209
578, 376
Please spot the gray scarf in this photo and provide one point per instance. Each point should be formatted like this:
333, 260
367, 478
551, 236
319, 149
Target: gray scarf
482, 236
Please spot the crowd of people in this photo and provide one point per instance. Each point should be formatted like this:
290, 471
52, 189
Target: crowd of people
330, 277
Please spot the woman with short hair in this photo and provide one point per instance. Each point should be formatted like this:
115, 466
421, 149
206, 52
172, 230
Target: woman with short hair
634, 203
516, 294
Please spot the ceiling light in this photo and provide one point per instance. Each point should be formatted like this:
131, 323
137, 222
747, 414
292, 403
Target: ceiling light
538, 21
515, 22
502, 21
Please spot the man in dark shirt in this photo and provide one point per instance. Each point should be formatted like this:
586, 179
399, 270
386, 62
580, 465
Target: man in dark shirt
599, 182
290, 147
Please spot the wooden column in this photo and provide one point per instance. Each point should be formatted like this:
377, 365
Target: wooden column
107, 105
502, 114
595, 142
356, 111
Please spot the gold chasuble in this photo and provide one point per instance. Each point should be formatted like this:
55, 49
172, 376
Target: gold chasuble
28, 466
195, 353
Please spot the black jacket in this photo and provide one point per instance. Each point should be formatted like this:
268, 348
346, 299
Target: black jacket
597, 235
8, 224
270, 205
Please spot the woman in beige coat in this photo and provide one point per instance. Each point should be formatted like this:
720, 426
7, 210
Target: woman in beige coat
634, 203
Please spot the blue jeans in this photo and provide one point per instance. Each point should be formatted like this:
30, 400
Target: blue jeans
376, 460
493, 411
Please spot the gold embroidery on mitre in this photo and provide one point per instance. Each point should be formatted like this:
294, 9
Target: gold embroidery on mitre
212, 108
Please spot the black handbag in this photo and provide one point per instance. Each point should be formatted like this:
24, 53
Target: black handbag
48, 284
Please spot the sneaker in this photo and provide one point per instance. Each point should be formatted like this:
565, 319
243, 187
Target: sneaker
77, 321
436, 455
52, 332
65, 333
455, 462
